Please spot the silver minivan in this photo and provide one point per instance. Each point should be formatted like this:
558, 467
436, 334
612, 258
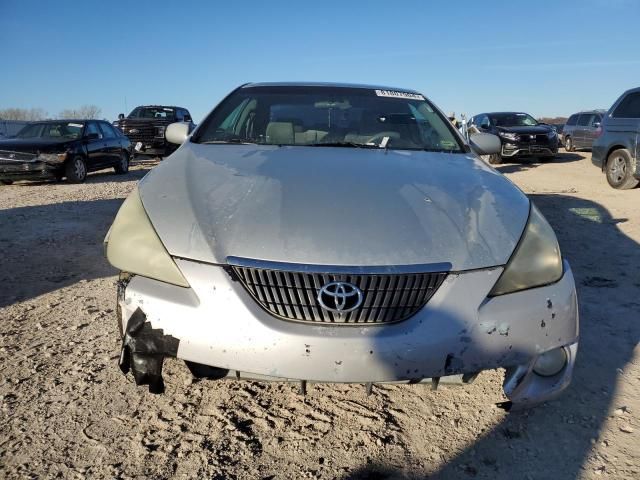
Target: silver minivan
582, 129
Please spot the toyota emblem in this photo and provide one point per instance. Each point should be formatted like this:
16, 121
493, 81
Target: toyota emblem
340, 297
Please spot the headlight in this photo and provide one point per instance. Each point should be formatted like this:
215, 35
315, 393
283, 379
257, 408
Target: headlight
52, 157
509, 136
536, 260
132, 245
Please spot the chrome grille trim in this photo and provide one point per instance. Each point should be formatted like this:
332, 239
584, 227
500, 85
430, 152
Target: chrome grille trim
292, 295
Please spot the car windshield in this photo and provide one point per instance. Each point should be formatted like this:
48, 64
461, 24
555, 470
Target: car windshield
329, 116
52, 130
512, 120
153, 112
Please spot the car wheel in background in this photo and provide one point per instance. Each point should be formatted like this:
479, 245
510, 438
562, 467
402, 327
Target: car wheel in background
618, 170
123, 164
568, 144
494, 159
76, 170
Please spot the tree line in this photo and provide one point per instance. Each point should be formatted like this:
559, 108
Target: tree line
32, 114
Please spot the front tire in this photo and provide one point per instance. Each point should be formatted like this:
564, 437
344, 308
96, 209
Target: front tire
618, 170
568, 144
123, 164
493, 159
76, 170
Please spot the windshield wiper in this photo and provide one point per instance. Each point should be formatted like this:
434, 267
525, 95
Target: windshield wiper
344, 144
240, 141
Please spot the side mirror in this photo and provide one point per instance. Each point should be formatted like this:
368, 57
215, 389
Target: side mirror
177, 133
485, 143
597, 124
92, 136
120, 116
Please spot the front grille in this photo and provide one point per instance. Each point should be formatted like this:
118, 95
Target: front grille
144, 134
8, 157
542, 139
386, 298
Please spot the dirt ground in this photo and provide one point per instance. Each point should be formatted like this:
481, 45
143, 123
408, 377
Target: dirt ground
68, 412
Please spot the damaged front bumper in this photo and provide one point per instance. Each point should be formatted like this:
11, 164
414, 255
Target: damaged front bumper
28, 170
460, 331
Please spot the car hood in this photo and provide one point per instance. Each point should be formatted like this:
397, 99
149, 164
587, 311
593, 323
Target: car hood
34, 145
537, 129
333, 206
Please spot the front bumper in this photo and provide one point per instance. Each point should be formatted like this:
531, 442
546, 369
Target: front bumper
460, 331
29, 171
513, 149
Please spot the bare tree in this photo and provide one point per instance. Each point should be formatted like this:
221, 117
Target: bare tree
28, 114
84, 112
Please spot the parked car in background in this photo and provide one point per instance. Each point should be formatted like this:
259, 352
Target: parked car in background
339, 233
145, 127
617, 150
582, 129
521, 135
55, 149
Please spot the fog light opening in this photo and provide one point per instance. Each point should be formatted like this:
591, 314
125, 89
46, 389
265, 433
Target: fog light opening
550, 363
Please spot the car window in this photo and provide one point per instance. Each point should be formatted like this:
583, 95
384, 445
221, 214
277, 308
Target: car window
54, 130
595, 119
573, 119
629, 107
584, 119
92, 128
153, 112
316, 115
107, 130
512, 120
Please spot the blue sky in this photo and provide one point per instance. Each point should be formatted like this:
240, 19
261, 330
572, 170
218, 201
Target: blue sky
546, 57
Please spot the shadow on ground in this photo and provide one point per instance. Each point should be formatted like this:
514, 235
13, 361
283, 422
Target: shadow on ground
554, 440
47, 247
533, 162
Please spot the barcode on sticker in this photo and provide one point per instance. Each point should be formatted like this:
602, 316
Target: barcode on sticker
396, 94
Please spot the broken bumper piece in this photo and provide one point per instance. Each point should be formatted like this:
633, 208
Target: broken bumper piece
460, 332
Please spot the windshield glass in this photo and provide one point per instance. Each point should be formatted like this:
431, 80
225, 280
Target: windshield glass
512, 120
57, 130
153, 112
329, 116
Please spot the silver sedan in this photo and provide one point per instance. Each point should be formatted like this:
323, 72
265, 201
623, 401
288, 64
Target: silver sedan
340, 233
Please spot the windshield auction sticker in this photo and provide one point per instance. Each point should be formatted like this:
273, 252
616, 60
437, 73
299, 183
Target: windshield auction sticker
396, 94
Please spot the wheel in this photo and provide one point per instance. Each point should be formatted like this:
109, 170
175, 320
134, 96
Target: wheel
493, 159
6, 182
76, 170
618, 170
123, 164
568, 144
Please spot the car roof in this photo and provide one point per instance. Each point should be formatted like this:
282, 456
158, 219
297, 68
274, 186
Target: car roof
327, 84
158, 106
503, 113
60, 120
597, 110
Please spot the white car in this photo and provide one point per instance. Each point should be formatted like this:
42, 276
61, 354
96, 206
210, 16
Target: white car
340, 233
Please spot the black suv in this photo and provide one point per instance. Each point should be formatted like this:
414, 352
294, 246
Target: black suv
521, 135
146, 124
582, 129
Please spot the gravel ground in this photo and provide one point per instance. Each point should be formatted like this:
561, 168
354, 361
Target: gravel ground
67, 411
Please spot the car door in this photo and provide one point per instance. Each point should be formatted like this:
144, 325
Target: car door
580, 130
111, 144
592, 130
95, 145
